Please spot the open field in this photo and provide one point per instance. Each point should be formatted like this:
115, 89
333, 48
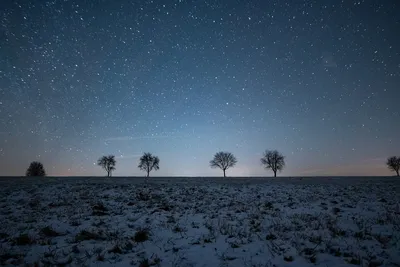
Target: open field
92, 221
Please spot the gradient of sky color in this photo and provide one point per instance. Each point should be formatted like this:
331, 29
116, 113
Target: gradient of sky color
317, 80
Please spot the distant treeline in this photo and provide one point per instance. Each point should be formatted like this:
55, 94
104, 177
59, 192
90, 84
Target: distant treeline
271, 160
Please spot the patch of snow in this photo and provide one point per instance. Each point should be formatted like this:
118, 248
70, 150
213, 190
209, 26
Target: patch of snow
199, 222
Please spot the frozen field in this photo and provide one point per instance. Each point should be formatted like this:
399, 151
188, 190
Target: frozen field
200, 221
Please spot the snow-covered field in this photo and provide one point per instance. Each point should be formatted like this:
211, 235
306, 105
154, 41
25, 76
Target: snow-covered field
200, 221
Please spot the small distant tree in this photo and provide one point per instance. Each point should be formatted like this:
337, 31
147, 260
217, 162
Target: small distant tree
273, 160
35, 169
393, 164
223, 160
148, 162
107, 163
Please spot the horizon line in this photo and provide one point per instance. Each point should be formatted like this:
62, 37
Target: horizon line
182, 176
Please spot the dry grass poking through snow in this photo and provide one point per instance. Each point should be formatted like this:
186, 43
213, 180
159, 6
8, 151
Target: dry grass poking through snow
200, 225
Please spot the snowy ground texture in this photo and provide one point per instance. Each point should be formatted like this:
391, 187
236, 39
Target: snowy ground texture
200, 222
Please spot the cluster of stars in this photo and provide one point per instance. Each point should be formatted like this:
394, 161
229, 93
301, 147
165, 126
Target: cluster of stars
307, 78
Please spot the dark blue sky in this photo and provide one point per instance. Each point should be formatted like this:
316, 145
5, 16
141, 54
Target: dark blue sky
317, 80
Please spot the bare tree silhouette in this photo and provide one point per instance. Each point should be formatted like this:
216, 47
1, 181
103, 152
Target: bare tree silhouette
393, 164
223, 160
273, 160
35, 169
148, 162
107, 163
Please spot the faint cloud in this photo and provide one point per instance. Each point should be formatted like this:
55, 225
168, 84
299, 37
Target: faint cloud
129, 156
312, 171
375, 160
129, 138
367, 167
328, 60
119, 138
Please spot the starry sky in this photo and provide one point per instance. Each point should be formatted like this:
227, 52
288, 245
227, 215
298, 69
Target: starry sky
183, 79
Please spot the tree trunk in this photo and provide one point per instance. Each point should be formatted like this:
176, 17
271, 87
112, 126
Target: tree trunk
397, 172
148, 173
224, 173
108, 174
274, 173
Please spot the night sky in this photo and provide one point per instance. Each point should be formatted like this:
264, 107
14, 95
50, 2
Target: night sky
317, 80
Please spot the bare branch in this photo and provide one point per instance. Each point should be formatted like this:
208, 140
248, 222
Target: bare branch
223, 160
107, 163
148, 162
393, 164
273, 160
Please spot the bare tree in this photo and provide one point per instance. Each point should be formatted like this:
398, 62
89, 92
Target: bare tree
273, 160
393, 164
35, 169
223, 160
107, 163
148, 162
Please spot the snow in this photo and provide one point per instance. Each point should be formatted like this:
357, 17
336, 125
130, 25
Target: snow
94, 221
